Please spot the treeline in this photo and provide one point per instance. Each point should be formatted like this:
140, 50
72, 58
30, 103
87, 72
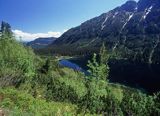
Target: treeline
67, 50
146, 51
40, 86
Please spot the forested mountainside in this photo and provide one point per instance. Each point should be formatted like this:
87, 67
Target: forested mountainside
132, 30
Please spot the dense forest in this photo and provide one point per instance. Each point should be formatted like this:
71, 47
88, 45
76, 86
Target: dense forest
33, 85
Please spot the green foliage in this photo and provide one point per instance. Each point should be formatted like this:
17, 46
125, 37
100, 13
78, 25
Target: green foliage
20, 103
99, 70
65, 85
157, 103
138, 104
16, 61
104, 56
112, 106
43, 87
116, 92
96, 92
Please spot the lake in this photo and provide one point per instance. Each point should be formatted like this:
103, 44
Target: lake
74, 66
137, 75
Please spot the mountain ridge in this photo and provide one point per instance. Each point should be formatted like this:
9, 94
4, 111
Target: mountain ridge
133, 27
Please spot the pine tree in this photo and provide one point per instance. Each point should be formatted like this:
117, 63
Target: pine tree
6, 31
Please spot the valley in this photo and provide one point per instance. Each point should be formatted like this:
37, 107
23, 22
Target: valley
109, 65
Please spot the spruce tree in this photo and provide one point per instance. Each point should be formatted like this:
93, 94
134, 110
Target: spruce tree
6, 31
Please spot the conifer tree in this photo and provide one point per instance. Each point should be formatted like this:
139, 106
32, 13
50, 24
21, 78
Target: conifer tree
6, 31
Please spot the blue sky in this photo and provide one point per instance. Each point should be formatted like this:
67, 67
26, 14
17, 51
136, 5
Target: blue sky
51, 17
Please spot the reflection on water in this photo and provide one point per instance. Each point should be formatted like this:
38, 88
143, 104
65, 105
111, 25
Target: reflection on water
137, 75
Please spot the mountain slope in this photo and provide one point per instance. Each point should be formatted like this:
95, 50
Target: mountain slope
41, 42
133, 28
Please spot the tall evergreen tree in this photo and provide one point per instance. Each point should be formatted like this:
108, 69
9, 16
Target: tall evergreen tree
6, 30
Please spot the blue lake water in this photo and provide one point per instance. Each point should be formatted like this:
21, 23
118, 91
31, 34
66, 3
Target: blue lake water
69, 64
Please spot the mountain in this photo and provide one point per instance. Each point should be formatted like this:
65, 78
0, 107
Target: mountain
41, 42
132, 29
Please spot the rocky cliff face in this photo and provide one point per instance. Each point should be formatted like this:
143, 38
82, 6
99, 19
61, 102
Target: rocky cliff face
133, 28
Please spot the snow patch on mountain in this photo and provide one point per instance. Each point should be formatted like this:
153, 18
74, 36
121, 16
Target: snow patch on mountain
146, 12
115, 14
103, 24
153, 50
130, 16
115, 46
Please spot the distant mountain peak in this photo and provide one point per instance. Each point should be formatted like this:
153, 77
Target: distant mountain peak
131, 2
41, 42
129, 6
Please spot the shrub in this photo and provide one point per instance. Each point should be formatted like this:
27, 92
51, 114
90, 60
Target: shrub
16, 61
20, 103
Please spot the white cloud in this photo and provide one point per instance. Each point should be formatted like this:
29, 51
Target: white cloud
31, 36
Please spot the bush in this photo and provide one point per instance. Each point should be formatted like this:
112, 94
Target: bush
19, 103
16, 61
66, 85
138, 104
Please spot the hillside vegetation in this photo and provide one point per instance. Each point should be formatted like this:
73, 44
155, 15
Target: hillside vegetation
31, 85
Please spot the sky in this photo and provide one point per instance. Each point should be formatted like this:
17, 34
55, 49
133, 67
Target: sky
31, 19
